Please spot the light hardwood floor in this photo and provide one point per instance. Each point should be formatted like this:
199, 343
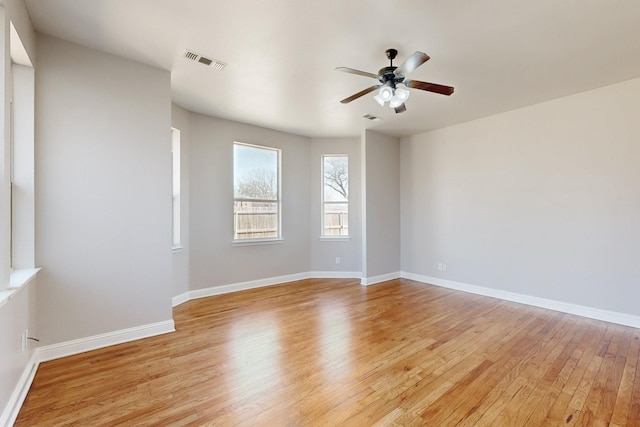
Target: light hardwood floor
333, 353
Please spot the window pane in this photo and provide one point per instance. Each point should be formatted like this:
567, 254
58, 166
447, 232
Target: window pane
255, 220
255, 172
256, 208
335, 196
336, 179
336, 219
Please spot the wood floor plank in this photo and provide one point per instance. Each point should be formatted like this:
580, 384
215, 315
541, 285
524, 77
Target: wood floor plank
531, 371
560, 411
625, 390
522, 374
553, 381
328, 352
633, 417
617, 354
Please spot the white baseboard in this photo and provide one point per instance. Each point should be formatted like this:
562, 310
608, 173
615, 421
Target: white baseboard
335, 275
579, 310
367, 281
252, 284
68, 348
235, 287
180, 299
12, 409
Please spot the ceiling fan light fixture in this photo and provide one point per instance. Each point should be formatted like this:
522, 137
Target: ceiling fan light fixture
395, 102
400, 96
385, 93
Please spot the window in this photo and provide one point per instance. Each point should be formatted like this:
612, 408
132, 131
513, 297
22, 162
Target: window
175, 155
256, 189
335, 195
22, 160
17, 183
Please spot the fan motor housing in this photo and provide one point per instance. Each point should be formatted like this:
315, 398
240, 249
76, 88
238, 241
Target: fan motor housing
386, 74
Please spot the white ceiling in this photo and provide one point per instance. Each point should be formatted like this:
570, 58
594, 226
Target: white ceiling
281, 54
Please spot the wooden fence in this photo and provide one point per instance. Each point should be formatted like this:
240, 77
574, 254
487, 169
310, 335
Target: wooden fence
253, 222
336, 223
256, 225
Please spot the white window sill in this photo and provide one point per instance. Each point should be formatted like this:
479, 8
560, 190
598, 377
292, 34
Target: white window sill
253, 242
335, 239
18, 279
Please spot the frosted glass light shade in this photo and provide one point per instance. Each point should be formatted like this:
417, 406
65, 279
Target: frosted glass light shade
399, 98
385, 93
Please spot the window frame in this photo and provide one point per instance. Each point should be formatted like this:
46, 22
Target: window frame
323, 202
278, 201
17, 228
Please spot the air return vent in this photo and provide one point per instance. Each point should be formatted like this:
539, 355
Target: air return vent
371, 117
213, 63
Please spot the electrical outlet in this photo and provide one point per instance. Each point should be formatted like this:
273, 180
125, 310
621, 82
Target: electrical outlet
440, 266
23, 341
337, 260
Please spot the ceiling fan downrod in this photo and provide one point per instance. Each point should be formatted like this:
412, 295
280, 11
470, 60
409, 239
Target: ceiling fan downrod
386, 74
391, 55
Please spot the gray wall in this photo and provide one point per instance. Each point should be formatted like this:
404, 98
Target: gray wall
325, 251
103, 198
541, 201
214, 261
180, 119
381, 172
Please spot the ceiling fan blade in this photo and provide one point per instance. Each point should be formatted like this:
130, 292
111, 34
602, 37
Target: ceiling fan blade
357, 72
411, 63
401, 109
431, 87
359, 94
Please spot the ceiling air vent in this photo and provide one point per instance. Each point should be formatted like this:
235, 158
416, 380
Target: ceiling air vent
371, 117
213, 63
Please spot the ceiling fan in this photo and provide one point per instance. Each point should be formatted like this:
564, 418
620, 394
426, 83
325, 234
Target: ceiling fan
391, 80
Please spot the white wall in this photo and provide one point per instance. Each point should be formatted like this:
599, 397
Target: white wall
542, 201
16, 316
17, 313
325, 251
103, 192
214, 261
381, 163
180, 119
